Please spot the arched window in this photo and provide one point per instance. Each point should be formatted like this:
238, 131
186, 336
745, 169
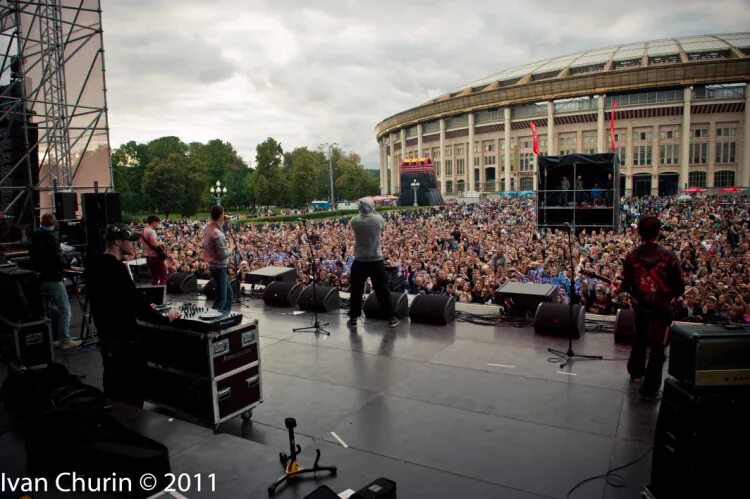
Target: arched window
697, 179
723, 178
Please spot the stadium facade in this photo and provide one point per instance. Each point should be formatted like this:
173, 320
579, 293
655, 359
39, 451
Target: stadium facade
681, 119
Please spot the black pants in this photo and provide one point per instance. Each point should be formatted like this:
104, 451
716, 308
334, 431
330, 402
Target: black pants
124, 373
375, 271
652, 333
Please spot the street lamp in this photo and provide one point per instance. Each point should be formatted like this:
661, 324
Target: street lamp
415, 186
218, 191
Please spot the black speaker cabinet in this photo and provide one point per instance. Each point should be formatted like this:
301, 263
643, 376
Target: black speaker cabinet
382, 488
433, 309
210, 288
181, 282
101, 208
21, 294
282, 294
521, 297
66, 205
326, 299
625, 326
372, 308
692, 431
555, 319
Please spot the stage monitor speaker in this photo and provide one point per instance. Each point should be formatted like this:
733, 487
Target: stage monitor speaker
210, 288
66, 205
282, 294
555, 319
326, 299
625, 326
181, 282
433, 309
372, 308
525, 297
21, 293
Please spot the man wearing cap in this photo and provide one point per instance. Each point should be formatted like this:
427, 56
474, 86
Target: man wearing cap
652, 277
116, 305
48, 260
368, 262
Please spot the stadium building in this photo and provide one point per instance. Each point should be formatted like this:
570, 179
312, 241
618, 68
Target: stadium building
682, 109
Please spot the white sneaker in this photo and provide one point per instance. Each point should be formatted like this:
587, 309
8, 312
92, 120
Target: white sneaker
66, 345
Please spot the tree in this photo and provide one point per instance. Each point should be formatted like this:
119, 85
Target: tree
163, 185
302, 174
268, 158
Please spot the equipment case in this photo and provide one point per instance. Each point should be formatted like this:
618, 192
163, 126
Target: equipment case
29, 342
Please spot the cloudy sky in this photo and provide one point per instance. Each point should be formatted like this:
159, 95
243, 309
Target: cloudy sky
308, 72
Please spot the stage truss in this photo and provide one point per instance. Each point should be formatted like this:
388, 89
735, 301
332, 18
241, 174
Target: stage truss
54, 129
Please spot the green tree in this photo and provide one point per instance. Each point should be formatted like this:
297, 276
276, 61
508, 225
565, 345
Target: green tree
302, 168
163, 185
268, 158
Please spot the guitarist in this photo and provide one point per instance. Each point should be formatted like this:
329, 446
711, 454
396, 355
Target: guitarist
154, 252
652, 277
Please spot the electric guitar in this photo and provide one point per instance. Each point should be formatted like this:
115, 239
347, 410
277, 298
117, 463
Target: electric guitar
591, 273
160, 251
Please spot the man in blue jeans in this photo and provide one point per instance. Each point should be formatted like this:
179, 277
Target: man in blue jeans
48, 261
216, 254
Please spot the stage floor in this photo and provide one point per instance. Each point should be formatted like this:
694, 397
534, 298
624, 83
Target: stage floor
458, 411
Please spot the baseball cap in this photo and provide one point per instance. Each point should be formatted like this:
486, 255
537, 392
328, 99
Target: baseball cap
120, 232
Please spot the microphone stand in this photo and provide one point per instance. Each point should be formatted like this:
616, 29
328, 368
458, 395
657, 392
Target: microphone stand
237, 258
317, 327
565, 357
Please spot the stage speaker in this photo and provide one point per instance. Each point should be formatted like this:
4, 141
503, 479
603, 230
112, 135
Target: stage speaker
326, 299
21, 293
282, 294
210, 288
433, 309
525, 297
66, 205
625, 326
555, 319
101, 208
181, 282
372, 308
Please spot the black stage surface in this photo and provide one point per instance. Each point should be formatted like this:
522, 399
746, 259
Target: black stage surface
458, 411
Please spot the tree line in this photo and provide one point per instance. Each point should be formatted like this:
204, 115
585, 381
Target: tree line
167, 175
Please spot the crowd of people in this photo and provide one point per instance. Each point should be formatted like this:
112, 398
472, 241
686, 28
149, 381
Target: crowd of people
469, 250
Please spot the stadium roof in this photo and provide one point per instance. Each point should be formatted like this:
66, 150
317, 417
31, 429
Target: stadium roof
617, 57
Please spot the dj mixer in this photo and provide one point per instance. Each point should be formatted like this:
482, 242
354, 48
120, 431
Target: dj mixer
200, 319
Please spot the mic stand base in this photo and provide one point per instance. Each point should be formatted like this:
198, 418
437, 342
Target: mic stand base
317, 328
565, 357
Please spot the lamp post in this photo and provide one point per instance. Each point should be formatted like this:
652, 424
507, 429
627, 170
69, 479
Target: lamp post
218, 191
415, 186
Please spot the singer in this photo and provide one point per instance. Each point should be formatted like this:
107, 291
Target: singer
216, 254
368, 262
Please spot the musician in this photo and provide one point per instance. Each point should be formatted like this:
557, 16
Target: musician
652, 277
48, 260
153, 250
368, 262
116, 305
216, 254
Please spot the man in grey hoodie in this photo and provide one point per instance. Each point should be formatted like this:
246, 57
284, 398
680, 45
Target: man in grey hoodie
368, 262
216, 254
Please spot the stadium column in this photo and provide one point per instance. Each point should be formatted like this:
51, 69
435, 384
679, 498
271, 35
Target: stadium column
600, 148
629, 161
744, 171
403, 157
470, 176
551, 139
394, 169
655, 161
506, 113
419, 140
685, 140
383, 167
443, 173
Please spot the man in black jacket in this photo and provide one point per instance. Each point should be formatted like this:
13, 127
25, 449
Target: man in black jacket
652, 276
116, 306
48, 261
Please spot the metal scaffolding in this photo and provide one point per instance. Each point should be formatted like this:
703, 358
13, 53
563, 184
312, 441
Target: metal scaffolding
54, 129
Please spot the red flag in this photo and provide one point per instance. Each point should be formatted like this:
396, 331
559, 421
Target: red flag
612, 126
536, 138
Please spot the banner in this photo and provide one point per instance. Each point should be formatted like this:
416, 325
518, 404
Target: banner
536, 138
612, 126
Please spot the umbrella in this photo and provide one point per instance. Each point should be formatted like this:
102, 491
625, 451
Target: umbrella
694, 189
732, 188
685, 197
526, 193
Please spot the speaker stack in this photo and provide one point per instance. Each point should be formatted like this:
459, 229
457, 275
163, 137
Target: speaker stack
326, 299
282, 294
99, 210
433, 309
399, 301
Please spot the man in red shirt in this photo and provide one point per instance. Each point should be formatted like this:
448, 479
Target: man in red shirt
153, 250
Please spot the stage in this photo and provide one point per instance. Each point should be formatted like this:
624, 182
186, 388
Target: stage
459, 411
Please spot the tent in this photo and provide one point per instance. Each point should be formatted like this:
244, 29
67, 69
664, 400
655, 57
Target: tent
732, 188
685, 197
694, 189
